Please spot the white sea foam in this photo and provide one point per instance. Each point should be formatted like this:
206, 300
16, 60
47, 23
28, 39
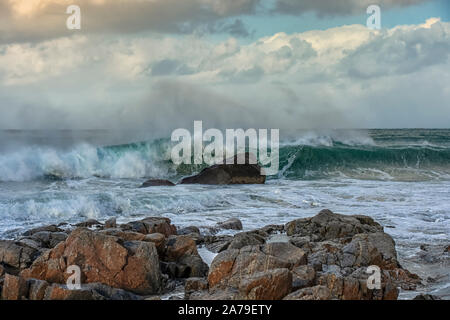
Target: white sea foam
82, 161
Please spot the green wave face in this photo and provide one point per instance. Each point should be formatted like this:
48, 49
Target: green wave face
309, 162
391, 154
403, 155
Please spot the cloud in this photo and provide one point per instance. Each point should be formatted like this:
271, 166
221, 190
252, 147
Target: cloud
400, 51
347, 76
34, 20
337, 7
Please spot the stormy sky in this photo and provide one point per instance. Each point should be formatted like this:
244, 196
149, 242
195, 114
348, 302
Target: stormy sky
161, 64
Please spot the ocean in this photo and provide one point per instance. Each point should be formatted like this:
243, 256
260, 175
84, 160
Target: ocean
401, 178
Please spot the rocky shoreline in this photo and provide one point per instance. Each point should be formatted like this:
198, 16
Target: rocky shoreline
318, 258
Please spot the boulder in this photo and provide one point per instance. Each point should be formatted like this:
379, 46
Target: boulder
376, 248
217, 243
266, 285
129, 265
354, 286
124, 235
230, 266
152, 225
327, 225
183, 258
17, 255
158, 239
49, 239
188, 230
49, 228
243, 239
179, 246
156, 183
194, 266
14, 288
229, 174
231, 224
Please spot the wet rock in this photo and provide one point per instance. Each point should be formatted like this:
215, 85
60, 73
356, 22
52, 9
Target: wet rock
230, 266
182, 250
156, 183
14, 288
129, 265
447, 249
243, 239
195, 266
124, 235
231, 224
16, 255
111, 223
266, 285
88, 223
178, 246
158, 239
229, 174
49, 239
192, 232
327, 225
33, 243
217, 243
370, 249
311, 293
188, 230
50, 228
152, 225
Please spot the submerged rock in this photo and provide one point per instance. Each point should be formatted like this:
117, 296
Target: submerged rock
156, 183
